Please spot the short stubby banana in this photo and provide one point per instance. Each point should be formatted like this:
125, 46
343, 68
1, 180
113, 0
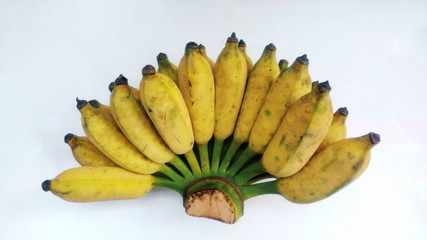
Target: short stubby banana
230, 83
249, 63
166, 67
90, 184
300, 133
291, 84
264, 73
337, 130
136, 124
87, 154
108, 138
329, 171
197, 86
166, 108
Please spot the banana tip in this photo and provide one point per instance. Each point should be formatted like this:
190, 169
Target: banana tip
121, 80
374, 138
80, 103
161, 56
148, 70
303, 59
324, 87
232, 38
343, 111
271, 47
111, 86
283, 61
191, 45
68, 137
242, 43
201, 46
46, 185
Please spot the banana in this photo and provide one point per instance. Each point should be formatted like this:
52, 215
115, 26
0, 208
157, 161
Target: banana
202, 50
329, 171
197, 86
108, 138
230, 82
89, 184
167, 68
86, 153
166, 108
264, 72
300, 133
283, 64
135, 123
249, 63
290, 85
337, 130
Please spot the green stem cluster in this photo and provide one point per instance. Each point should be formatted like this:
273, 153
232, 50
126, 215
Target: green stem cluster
228, 159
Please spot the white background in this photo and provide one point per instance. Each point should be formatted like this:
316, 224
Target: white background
372, 52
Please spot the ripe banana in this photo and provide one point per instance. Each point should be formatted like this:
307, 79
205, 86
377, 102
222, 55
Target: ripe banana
134, 90
329, 171
166, 108
290, 85
89, 184
300, 133
202, 50
196, 83
337, 130
166, 67
249, 63
104, 109
230, 82
108, 138
264, 73
86, 153
135, 123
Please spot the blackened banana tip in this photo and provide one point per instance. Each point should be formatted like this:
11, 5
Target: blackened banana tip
232, 38
68, 137
46, 185
374, 138
303, 59
271, 47
111, 86
343, 111
161, 56
148, 70
283, 61
94, 103
324, 87
191, 45
121, 80
242, 43
80, 103
201, 46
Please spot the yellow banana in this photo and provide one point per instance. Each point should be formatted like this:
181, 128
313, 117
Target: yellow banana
329, 171
167, 68
249, 63
89, 184
196, 83
300, 133
202, 50
264, 72
283, 64
86, 153
337, 130
108, 138
166, 108
135, 91
230, 82
135, 123
289, 86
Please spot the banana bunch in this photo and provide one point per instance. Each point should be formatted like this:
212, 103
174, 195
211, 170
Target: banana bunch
218, 133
